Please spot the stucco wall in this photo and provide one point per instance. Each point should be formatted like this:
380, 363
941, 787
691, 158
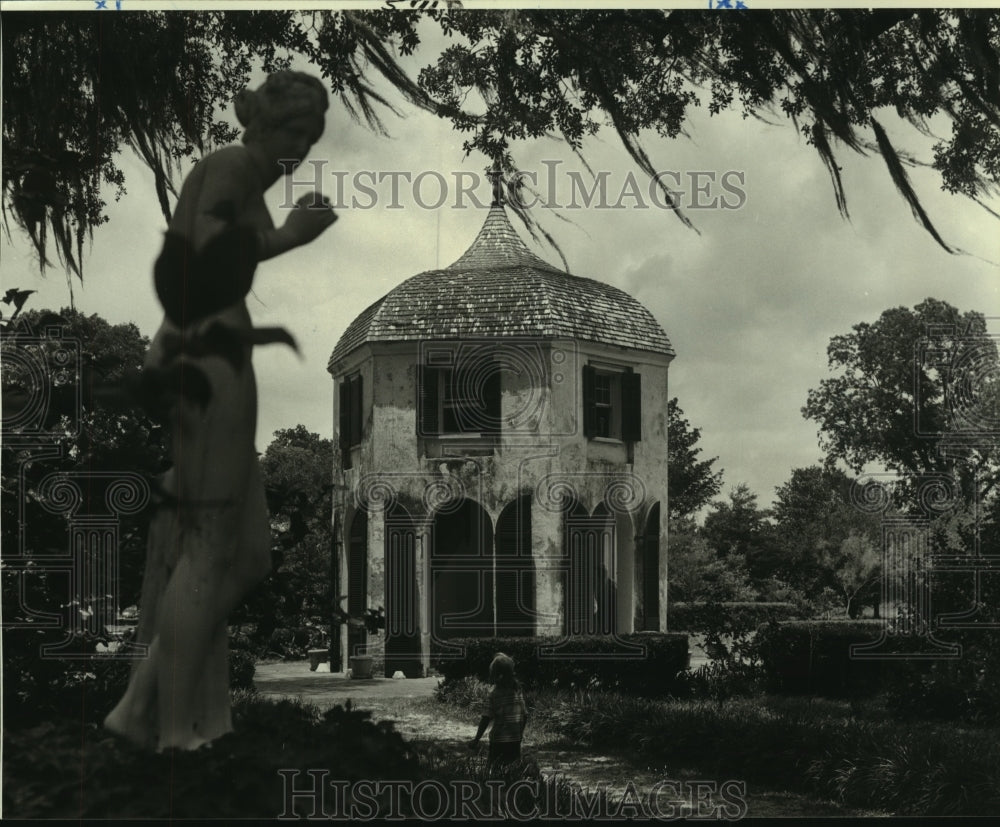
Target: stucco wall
541, 451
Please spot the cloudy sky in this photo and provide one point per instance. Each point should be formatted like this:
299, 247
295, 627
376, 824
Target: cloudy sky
750, 303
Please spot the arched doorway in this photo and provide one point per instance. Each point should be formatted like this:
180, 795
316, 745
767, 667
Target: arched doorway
515, 570
402, 630
357, 581
605, 572
461, 567
590, 602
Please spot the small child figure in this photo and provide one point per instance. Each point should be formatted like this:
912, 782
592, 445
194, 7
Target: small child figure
506, 708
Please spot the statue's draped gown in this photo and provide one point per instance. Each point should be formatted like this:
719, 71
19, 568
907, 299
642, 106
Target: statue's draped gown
209, 539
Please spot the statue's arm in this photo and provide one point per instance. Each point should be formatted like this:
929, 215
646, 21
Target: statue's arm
227, 191
218, 193
274, 241
310, 216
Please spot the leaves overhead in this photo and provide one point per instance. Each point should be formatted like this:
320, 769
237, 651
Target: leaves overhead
155, 82
79, 88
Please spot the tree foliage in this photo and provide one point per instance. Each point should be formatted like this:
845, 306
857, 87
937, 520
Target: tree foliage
691, 482
153, 82
825, 540
699, 573
65, 419
295, 598
736, 526
916, 392
856, 567
297, 468
828, 71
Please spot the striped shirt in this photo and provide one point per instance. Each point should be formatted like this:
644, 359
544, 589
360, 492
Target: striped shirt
506, 708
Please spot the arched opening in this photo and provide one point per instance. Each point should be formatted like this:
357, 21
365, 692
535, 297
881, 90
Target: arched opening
461, 563
402, 629
357, 581
650, 554
589, 553
605, 572
515, 570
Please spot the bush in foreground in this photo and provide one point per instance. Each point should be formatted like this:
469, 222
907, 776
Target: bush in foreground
965, 688
57, 771
813, 746
278, 748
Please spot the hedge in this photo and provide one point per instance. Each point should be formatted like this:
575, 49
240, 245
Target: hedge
966, 688
644, 663
703, 616
814, 657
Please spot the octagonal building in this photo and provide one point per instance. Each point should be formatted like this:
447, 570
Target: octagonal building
501, 461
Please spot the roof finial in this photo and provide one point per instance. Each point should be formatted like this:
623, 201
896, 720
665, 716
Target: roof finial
496, 176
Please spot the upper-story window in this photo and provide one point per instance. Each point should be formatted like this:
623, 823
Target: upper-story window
607, 405
460, 399
612, 403
351, 422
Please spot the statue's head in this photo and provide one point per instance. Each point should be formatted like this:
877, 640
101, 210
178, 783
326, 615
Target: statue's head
285, 100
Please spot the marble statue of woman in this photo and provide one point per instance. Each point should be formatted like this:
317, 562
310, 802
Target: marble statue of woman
209, 542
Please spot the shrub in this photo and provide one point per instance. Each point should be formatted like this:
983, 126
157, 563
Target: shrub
722, 679
242, 666
646, 663
291, 644
965, 688
919, 771
465, 693
62, 772
37, 688
810, 745
704, 617
814, 657
84, 687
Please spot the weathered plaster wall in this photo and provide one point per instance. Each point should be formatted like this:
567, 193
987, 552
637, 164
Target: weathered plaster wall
541, 451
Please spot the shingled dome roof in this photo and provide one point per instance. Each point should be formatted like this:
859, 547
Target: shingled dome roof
500, 288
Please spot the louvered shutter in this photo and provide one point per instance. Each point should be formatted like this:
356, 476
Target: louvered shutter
357, 410
492, 391
631, 407
428, 396
345, 424
589, 409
